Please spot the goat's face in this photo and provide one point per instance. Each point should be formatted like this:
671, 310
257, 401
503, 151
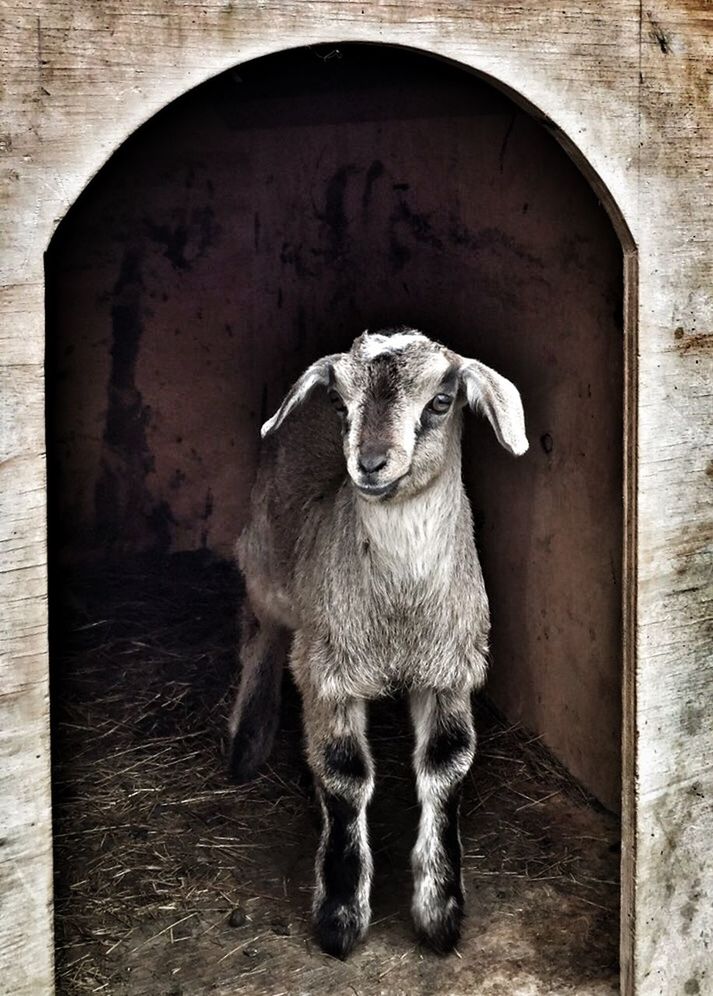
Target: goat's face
398, 396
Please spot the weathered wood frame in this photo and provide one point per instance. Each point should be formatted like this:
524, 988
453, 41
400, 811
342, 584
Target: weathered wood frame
626, 91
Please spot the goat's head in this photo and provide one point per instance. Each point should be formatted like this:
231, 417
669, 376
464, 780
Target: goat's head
398, 395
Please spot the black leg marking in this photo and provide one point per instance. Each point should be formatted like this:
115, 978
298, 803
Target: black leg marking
338, 754
450, 840
337, 922
342, 757
442, 931
445, 744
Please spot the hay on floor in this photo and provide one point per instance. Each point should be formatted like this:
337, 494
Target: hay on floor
171, 880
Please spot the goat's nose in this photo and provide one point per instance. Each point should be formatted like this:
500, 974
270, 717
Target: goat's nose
372, 459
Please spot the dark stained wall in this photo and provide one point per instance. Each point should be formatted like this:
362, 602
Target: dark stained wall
266, 219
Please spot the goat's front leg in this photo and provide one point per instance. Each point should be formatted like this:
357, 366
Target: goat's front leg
445, 747
339, 757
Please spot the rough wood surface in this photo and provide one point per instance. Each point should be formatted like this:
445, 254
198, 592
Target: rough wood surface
626, 86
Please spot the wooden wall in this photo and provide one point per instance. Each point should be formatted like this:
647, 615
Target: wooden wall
626, 89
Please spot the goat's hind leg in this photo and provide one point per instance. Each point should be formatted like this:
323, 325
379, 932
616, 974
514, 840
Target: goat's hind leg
445, 747
256, 711
340, 760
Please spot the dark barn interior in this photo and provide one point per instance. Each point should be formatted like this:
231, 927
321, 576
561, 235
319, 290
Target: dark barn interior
261, 221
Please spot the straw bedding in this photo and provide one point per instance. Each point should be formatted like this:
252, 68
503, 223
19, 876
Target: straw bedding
171, 880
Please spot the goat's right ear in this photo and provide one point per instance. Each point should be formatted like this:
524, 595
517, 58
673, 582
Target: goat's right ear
319, 373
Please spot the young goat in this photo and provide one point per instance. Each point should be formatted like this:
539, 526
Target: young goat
360, 551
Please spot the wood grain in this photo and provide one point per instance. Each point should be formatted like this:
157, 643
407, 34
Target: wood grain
628, 92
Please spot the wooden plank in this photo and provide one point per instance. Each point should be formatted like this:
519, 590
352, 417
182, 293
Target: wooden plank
25, 830
674, 870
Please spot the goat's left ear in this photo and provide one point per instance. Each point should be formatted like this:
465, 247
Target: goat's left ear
499, 400
319, 373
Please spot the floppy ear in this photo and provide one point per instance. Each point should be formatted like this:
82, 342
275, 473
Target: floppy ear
320, 373
499, 400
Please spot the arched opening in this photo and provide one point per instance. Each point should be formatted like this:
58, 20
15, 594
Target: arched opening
261, 221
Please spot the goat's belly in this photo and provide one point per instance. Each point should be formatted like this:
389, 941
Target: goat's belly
376, 663
443, 664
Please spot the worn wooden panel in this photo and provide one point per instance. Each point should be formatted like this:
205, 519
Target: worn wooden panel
25, 832
626, 86
675, 551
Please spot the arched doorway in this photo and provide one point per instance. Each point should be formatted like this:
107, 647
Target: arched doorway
269, 216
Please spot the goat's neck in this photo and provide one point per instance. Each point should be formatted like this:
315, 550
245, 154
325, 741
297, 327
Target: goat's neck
413, 534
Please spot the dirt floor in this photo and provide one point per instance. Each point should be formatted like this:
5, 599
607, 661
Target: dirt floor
169, 880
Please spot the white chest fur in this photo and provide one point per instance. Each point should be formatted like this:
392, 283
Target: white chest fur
412, 539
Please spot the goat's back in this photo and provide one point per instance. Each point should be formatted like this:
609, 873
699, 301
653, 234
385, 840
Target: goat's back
301, 466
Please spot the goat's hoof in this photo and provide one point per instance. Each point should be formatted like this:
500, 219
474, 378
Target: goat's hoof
338, 928
245, 763
440, 929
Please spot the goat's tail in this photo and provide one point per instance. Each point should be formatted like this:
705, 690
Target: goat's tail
256, 712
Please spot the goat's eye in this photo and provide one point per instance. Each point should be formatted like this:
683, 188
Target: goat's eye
440, 404
337, 401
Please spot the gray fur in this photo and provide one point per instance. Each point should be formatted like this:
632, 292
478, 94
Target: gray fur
376, 574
